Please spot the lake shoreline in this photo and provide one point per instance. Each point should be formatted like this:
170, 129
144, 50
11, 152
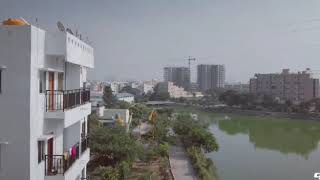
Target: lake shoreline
267, 114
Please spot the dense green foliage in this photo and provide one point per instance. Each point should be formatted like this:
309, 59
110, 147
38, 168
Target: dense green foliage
128, 89
113, 151
106, 173
197, 140
193, 133
113, 145
203, 166
108, 98
157, 96
165, 111
93, 122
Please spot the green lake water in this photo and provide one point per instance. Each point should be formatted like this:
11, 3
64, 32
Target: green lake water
264, 148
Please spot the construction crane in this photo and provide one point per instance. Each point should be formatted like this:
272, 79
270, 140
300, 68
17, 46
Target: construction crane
189, 61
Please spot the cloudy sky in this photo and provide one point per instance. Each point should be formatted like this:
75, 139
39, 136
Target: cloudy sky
135, 39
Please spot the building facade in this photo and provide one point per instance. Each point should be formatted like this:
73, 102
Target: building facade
113, 117
148, 86
210, 76
126, 97
296, 87
43, 105
239, 87
180, 76
173, 90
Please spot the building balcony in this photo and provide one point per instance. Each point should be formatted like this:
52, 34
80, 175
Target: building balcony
65, 167
61, 100
69, 105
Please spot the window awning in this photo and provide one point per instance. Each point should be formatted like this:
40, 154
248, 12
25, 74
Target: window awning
50, 69
45, 137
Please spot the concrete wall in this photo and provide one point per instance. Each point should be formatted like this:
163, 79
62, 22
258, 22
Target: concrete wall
71, 135
55, 43
73, 79
78, 52
36, 101
15, 102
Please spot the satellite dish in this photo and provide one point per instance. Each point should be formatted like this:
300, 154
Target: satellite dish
60, 26
69, 31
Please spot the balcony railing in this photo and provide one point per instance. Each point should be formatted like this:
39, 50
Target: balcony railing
60, 100
84, 144
59, 164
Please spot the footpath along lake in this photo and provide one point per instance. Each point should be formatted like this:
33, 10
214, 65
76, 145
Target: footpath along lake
264, 148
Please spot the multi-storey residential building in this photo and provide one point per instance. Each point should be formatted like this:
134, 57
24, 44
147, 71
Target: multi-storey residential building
211, 76
180, 76
43, 105
148, 86
296, 87
173, 90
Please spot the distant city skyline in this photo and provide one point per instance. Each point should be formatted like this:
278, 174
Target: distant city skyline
136, 39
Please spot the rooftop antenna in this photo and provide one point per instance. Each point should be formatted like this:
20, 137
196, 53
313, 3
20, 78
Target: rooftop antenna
37, 22
61, 26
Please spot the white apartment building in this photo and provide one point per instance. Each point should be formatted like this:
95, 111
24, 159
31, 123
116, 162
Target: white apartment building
126, 97
173, 90
43, 105
148, 86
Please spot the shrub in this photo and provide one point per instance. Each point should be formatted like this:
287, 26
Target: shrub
203, 166
106, 173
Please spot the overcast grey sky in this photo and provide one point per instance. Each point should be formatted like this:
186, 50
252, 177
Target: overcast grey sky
134, 39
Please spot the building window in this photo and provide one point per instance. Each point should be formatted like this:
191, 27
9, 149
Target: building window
42, 81
40, 151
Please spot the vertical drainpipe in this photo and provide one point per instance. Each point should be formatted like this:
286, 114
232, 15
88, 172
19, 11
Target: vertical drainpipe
65, 74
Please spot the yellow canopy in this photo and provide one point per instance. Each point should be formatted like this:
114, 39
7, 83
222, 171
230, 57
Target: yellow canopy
14, 22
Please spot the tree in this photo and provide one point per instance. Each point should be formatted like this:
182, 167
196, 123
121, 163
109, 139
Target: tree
213, 95
108, 98
112, 146
106, 173
159, 96
195, 134
268, 101
156, 96
129, 89
230, 97
93, 122
124, 105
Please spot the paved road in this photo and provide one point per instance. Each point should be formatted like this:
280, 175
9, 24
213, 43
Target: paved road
180, 164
